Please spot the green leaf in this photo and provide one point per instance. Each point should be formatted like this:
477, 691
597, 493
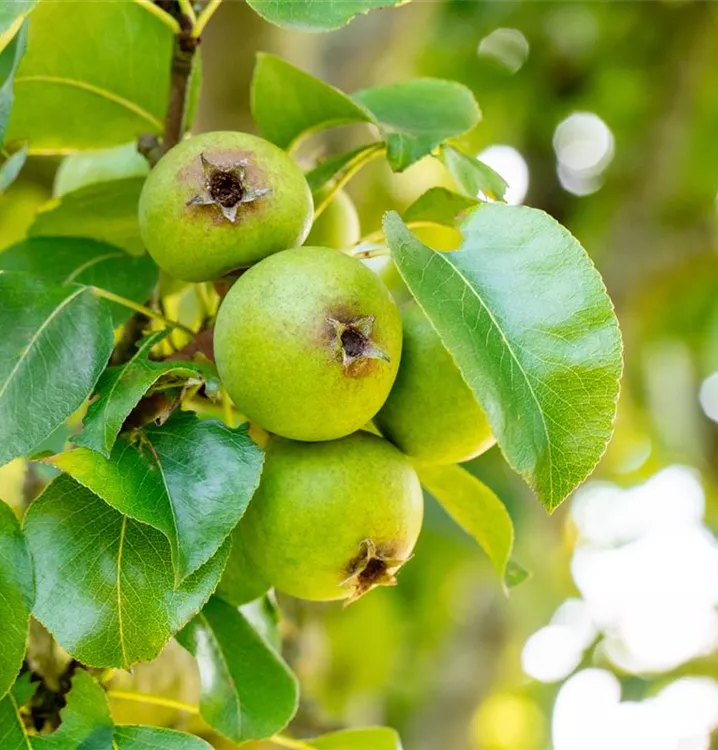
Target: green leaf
191, 479
515, 574
152, 738
13, 735
83, 92
376, 738
103, 165
316, 15
288, 103
12, 16
335, 165
417, 116
526, 316
121, 388
105, 211
439, 206
471, 175
475, 508
17, 592
247, 691
11, 168
85, 261
104, 583
10, 58
85, 720
53, 351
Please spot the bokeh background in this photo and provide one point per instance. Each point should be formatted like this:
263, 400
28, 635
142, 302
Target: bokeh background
606, 116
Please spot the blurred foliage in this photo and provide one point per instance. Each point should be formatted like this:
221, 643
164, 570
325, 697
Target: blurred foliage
439, 658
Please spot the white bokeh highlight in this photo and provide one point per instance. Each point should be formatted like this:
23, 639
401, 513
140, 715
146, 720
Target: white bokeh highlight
512, 166
507, 47
584, 147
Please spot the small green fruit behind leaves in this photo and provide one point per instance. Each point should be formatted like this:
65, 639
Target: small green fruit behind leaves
338, 224
52, 355
332, 520
431, 413
17, 593
527, 319
105, 587
222, 201
247, 691
308, 343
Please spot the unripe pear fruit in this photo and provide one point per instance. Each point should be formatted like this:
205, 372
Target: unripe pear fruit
332, 520
222, 201
308, 344
337, 225
431, 413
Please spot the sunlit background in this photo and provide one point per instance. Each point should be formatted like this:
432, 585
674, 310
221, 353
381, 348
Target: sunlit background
606, 116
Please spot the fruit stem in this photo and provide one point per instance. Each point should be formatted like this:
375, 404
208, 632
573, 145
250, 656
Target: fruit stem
283, 741
352, 168
153, 700
141, 309
204, 17
156, 11
378, 236
187, 10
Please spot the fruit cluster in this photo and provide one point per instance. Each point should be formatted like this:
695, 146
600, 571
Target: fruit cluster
311, 346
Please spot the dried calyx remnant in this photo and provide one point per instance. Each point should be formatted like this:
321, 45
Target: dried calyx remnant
354, 346
226, 188
369, 569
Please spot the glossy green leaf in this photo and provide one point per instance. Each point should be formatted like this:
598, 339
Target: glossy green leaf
152, 738
334, 166
83, 92
191, 479
12, 15
475, 508
471, 175
526, 317
247, 691
13, 735
417, 116
316, 15
376, 738
85, 722
17, 591
288, 103
85, 261
11, 168
105, 587
105, 211
10, 58
52, 354
439, 206
85, 168
120, 389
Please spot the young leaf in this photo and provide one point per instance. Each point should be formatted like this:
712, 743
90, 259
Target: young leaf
335, 165
85, 720
152, 738
13, 734
191, 479
11, 168
66, 260
105, 211
98, 94
526, 317
515, 574
121, 388
288, 103
316, 15
85, 168
9, 61
105, 587
440, 206
247, 691
52, 354
415, 117
472, 176
475, 508
17, 592
376, 738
